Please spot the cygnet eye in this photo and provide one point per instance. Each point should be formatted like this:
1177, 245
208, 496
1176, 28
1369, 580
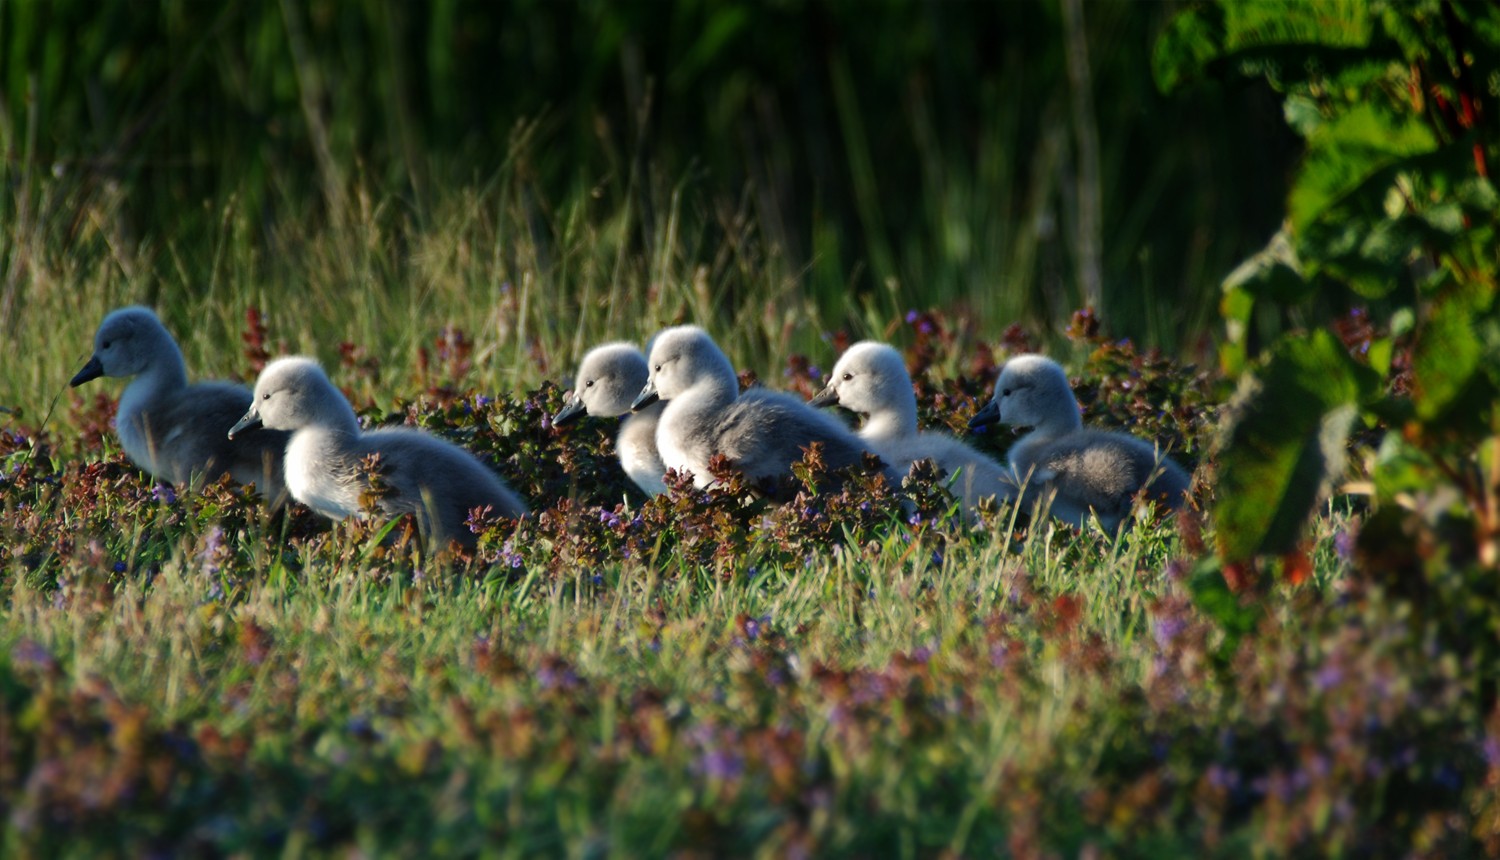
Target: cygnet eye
104, 345
266, 396
1005, 393
589, 384
658, 368
848, 376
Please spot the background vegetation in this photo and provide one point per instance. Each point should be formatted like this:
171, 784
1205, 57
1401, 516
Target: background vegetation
448, 202
948, 152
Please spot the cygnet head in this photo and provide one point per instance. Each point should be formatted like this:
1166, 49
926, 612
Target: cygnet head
869, 377
1032, 393
681, 358
608, 380
293, 393
129, 341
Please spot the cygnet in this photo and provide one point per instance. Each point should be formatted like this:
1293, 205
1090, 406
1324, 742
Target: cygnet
762, 434
169, 428
421, 474
608, 380
871, 379
1085, 470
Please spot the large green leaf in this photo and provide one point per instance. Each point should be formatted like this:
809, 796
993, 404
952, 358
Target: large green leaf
1289, 43
1283, 442
1344, 153
1446, 357
1272, 275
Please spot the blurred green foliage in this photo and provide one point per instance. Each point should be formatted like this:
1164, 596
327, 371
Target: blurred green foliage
1376, 303
920, 153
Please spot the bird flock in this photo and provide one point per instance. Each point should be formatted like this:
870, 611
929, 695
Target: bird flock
295, 435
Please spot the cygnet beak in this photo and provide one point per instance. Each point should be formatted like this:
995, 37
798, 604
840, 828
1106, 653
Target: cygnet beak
647, 397
251, 419
987, 415
572, 409
829, 396
93, 370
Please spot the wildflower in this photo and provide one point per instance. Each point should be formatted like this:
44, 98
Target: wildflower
508, 555
1343, 545
120, 567
912, 316
164, 493
1166, 630
609, 518
1328, 676
29, 653
212, 548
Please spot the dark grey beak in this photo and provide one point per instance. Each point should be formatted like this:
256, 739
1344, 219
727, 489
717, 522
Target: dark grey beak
93, 370
250, 420
827, 397
986, 416
647, 397
570, 411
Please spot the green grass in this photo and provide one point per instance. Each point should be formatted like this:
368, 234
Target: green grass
196, 674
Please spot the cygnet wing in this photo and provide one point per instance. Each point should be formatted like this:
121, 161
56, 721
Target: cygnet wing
764, 432
422, 470
188, 436
1104, 470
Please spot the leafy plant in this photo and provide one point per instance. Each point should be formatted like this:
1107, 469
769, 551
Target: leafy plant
1390, 242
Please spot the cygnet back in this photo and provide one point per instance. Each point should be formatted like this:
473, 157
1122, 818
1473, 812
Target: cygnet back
871, 379
1082, 470
609, 378
420, 473
761, 435
169, 428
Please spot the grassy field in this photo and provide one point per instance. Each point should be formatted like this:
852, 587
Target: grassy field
189, 674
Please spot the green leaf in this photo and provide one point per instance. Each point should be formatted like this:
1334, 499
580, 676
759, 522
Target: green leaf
1192, 40
1446, 356
1212, 597
1345, 152
1284, 442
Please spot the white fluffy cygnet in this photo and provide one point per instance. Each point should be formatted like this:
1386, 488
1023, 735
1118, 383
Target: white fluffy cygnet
436, 480
762, 434
870, 378
608, 381
170, 428
1083, 470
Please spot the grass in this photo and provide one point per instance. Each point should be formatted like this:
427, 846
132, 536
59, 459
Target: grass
187, 673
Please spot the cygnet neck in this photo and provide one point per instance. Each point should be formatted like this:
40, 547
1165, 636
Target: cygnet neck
163, 374
893, 421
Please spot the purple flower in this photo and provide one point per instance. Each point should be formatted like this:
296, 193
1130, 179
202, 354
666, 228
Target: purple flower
1328, 676
1166, 630
609, 518
720, 764
814, 371
164, 493
1343, 545
508, 555
752, 629
911, 316
29, 653
120, 567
